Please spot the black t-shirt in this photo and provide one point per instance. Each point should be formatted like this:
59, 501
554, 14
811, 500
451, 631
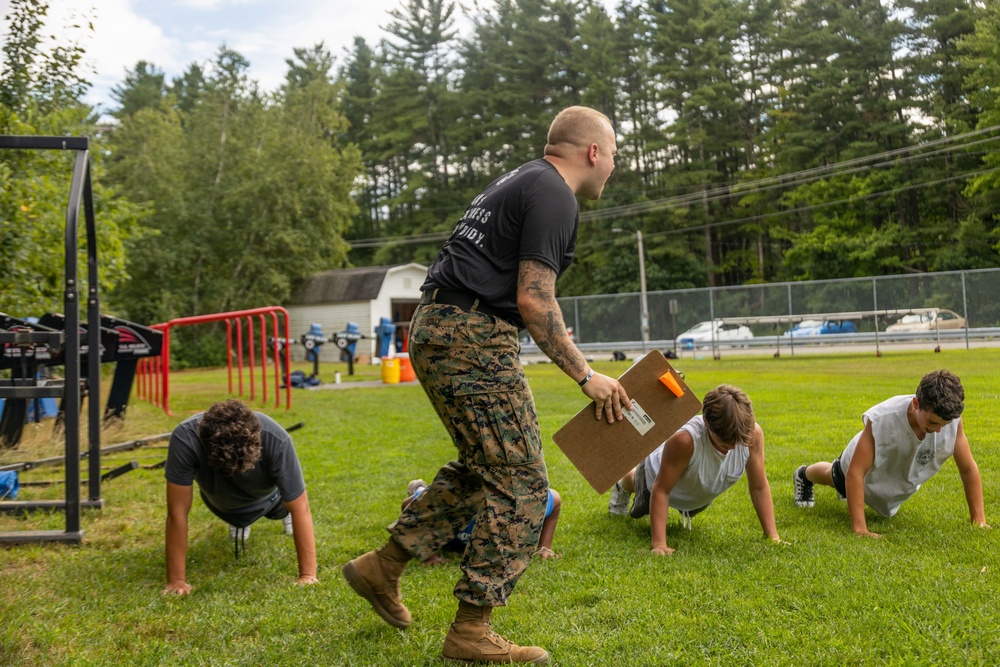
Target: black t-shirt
528, 213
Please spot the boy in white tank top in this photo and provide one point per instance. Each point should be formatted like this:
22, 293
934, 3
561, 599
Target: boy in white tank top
905, 441
696, 464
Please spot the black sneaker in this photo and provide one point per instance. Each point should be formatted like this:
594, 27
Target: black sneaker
640, 502
803, 488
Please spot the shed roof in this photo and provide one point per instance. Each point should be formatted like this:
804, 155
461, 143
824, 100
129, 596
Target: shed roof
342, 285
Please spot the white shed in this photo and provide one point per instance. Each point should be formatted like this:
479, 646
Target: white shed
363, 296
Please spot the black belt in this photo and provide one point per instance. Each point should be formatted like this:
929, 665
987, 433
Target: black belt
463, 300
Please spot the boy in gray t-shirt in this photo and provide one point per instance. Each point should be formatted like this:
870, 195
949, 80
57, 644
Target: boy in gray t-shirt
246, 468
905, 441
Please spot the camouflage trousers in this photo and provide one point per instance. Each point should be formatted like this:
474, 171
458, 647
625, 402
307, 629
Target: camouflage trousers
468, 365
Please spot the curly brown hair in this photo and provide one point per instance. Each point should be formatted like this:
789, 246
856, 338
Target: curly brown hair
230, 433
729, 413
941, 392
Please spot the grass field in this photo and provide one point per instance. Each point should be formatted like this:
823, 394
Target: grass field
923, 595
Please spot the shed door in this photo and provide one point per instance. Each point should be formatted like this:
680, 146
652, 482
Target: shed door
402, 313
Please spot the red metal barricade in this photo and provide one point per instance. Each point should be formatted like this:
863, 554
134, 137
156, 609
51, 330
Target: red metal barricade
154, 372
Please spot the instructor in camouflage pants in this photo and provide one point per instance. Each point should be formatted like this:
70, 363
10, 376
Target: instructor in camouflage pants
484, 402
495, 276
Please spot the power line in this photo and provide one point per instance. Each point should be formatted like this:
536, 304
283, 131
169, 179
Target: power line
802, 209
783, 180
402, 240
757, 186
812, 207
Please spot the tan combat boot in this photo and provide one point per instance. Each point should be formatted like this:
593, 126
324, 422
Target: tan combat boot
475, 641
377, 580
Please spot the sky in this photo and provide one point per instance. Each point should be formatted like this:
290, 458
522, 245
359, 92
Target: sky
172, 34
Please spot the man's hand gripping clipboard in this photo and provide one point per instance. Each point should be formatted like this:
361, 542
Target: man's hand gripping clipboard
661, 404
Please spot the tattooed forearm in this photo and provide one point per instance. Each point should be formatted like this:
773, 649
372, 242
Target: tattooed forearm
536, 299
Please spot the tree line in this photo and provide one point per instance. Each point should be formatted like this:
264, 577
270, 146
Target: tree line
758, 140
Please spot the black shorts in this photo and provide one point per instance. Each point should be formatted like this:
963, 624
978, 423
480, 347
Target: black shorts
640, 503
839, 480
278, 511
275, 510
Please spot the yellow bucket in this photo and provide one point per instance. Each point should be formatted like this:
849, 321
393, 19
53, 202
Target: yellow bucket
390, 370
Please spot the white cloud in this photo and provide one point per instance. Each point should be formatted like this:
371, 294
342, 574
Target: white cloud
121, 38
302, 24
209, 5
200, 4
307, 23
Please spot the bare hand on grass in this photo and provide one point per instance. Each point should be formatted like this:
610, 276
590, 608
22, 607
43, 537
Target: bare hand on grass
177, 588
545, 553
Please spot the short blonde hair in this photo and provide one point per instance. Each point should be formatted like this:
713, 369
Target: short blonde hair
579, 126
728, 412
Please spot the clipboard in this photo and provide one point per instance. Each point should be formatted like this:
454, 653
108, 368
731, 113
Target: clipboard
603, 452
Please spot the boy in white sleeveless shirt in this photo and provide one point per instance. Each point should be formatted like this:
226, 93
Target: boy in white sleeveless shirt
696, 464
905, 440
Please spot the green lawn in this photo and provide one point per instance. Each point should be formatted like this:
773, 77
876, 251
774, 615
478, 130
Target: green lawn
923, 595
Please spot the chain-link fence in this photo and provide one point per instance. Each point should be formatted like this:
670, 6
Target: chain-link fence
616, 319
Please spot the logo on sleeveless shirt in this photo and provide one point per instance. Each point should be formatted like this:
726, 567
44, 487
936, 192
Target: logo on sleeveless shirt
925, 456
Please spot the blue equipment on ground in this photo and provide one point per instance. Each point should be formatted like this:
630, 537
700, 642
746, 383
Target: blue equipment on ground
312, 340
299, 380
47, 409
8, 484
384, 332
347, 340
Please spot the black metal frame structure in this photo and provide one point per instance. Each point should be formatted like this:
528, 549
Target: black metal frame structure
80, 193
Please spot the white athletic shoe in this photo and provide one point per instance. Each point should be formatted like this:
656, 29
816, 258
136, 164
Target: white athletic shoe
235, 532
618, 503
286, 523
